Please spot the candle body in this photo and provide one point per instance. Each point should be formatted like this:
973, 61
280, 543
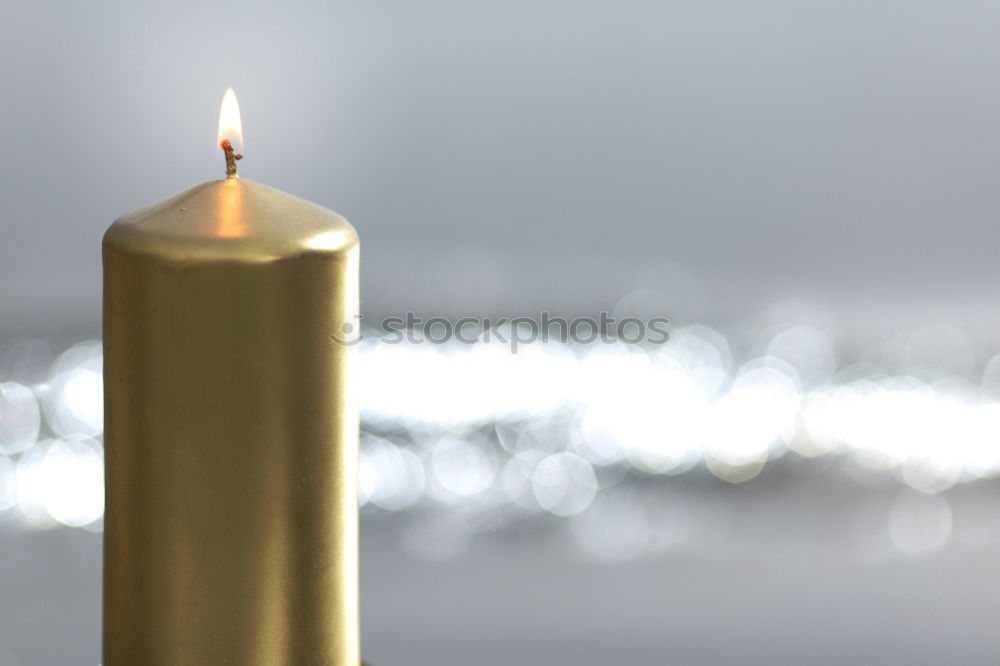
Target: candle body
231, 432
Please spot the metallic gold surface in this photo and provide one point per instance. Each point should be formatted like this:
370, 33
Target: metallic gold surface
231, 432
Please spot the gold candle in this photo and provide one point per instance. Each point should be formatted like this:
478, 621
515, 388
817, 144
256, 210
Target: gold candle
231, 432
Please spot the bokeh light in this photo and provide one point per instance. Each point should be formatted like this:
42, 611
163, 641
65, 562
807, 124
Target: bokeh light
468, 437
20, 418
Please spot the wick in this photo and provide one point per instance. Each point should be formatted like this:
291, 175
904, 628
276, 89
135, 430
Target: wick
231, 157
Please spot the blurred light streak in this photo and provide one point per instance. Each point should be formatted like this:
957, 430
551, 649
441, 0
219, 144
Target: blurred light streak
479, 432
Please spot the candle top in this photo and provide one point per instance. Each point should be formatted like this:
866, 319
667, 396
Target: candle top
232, 220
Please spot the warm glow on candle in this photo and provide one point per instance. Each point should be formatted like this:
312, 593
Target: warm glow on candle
230, 123
230, 211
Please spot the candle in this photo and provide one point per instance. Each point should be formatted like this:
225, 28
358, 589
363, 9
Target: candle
231, 429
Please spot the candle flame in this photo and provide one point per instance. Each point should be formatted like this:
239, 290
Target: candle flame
230, 122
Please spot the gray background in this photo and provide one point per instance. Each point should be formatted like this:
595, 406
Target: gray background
843, 152
504, 157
